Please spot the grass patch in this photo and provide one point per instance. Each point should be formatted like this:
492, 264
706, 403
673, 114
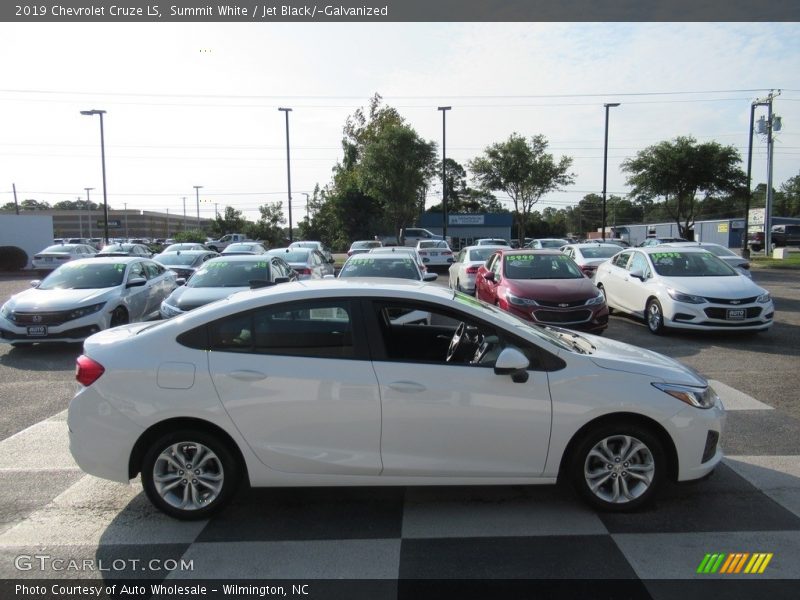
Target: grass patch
764, 262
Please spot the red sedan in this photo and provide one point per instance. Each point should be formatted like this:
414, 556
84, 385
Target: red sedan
543, 286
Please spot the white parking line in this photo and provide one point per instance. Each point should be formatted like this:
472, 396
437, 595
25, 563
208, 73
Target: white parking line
733, 399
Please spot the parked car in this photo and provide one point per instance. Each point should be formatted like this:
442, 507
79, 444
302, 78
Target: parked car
721, 252
252, 248
318, 246
435, 253
85, 296
544, 286
54, 256
308, 263
544, 243
492, 242
220, 277
184, 262
399, 265
186, 246
139, 250
313, 384
461, 275
399, 250
588, 255
685, 288
657, 241
363, 246
782, 235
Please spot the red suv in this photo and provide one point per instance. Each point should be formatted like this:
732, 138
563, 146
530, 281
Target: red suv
543, 286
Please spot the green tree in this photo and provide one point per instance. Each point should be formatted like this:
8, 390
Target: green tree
524, 170
31, 204
229, 221
460, 197
268, 227
679, 170
789, 203
191, 235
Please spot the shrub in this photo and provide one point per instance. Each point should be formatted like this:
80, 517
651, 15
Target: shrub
12, 258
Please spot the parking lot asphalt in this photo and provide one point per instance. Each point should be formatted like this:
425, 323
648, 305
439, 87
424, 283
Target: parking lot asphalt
750, 505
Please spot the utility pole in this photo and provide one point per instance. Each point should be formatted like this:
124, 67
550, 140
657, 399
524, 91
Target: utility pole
16, 204
197, 197
126, 220
770, 127
184, 213
605, 165
444, 110
80, 218
288, 171
167, 223
89, 208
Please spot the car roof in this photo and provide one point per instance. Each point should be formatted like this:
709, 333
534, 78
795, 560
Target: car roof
660, 248
109, 260
380, 256
536, 251
593, 245
238, 258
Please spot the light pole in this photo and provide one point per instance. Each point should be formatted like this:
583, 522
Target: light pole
444, 110
126, 220
89, 208
184, 213
197, 197
605, 166
286, 111
90, 113
306, 194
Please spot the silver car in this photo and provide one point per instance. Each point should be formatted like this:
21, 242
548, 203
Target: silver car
54, 256
308, 263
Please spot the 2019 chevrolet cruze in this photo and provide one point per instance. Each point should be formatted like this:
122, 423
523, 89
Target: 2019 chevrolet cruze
324, 383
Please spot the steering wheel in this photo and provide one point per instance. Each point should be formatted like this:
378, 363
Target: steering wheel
455, 341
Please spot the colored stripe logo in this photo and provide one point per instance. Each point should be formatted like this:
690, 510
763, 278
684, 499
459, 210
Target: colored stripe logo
735, 563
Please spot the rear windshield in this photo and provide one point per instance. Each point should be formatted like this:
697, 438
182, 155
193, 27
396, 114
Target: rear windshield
599, 252
229, 274
399, 267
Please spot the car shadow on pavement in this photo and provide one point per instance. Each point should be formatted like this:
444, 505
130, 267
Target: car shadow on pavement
41, 357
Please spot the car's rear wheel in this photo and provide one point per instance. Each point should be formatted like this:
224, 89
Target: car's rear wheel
618, 467
119, 317
654, 316
189, 474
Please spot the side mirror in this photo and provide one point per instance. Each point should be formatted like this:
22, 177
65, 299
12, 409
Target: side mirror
429, 276
489, 276
136, 282
331, 260
36, 283
281, 280
180, 281
512, 362
638, 274
329, 276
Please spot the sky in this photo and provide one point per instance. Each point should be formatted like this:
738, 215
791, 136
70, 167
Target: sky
197, 103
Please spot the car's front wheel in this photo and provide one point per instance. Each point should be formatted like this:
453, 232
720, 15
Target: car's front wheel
654, 315
189, 474
119, 317
618, 467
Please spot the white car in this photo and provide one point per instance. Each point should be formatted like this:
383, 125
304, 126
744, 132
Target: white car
684, 288
435, 253
729, 256
465, 267
318, 246
492, 242
312, 384
401, 249
400, 265
54, 256
547, 243
589, 255
85, 296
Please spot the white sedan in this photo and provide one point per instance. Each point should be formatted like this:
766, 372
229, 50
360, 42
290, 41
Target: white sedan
589, 255
464, 269
85, 296
435, 253
54, 256
313, 383
685, 288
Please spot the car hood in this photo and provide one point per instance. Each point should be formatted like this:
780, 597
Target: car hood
187, 298
553, 290
619, 356
52, 300
715, 287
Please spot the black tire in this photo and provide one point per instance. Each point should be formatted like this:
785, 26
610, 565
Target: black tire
654, 317
119, 317
221, 467
636, 463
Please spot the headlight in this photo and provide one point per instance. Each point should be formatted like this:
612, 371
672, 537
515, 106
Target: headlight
85, 310
170, 310
700, 397
687, 298
517, 301
764, 298
599, 299
5, 311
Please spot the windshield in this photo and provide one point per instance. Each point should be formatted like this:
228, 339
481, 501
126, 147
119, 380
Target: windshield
175, 258
481, 254
430, 244
690, 264
399, 267
599, 252
88, 275
229, 274
552, 243
540, 266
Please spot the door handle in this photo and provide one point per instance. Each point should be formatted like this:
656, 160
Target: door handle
246, 375
407, 387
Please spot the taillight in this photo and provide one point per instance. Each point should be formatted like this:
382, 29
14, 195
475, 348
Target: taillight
447, 253
87, 371
472, 270
303, 271
349, 253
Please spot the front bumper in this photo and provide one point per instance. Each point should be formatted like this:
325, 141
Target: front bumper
591, 319
715, 316
698, 435
75, 330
